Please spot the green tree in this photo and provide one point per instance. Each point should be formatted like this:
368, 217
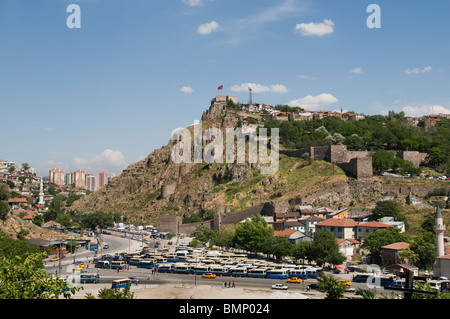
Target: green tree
252, 234
388, 208
331, 286
22, 273
300, 250
324, 249
382, 160
111, 293
374, 241
4, 206
278, 246
425, 248
100, 219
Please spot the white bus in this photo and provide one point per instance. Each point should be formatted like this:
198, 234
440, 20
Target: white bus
257, 272
277, 273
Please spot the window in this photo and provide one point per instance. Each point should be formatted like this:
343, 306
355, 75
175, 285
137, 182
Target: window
340, 229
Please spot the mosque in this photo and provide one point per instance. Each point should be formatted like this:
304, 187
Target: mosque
441, 267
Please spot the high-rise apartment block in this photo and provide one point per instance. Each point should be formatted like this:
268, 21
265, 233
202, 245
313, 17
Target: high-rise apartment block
56, 176
104, 178
91, 182
80, 178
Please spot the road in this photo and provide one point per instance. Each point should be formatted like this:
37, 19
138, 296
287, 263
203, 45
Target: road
148, 277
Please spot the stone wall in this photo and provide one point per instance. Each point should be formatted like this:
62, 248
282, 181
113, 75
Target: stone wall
415, 157
359, 167
356, 163
169, 224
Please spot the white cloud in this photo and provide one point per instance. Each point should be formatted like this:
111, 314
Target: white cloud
417, 111
208, 27
315, 29
106, 160
194, 3
252, 26
306, 77
357, 70
259, 88
187, 89
418, 70
314, 102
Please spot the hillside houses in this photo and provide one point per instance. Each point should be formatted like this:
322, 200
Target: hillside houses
348, 229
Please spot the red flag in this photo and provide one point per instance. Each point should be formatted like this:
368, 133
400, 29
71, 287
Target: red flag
220, 87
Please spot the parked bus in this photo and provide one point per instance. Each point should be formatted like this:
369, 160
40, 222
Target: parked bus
103, 264
134, 261
87, 278
277, 273
121, 283
165, 268
118, 264
381, 281
161, 260
398, 283
182, 268
219, 270
313, 272
237, 271
299, 273
200, 269
146, 263
257, 272
361, 277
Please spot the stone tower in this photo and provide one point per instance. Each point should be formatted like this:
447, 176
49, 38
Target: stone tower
439, 229
41, 194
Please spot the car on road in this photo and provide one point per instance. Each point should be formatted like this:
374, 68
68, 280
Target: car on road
294, 280
134, 280
280, 287
209, 275
345, 282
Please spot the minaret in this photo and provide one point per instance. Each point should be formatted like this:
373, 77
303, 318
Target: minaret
41, 194
439, 229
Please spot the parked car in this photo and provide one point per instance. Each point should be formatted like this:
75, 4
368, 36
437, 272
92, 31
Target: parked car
280, 287
209, 275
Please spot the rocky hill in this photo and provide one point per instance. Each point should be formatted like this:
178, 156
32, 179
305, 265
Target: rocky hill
157, 185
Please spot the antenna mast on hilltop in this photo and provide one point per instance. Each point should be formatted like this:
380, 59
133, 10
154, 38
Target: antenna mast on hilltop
250, 96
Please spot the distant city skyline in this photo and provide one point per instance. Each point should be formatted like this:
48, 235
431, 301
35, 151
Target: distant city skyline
105, 95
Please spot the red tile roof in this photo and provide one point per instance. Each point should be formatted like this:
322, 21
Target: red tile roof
397, 246
338, 222
374, 225
284, 233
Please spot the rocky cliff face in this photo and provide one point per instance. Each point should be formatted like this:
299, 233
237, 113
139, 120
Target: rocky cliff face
157, 185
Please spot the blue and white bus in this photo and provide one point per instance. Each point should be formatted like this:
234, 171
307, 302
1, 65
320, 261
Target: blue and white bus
167, 268
121, 283
134, 261
200, 269
313, 272
146, 263
277, 273
299, 273
118, 264
181, 268
257, 272
237, 271
89, 278
219, 270
103, 264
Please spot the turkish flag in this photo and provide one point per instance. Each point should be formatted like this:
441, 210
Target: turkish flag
220, 87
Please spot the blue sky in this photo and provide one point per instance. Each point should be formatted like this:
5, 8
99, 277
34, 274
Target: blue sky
107, 94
